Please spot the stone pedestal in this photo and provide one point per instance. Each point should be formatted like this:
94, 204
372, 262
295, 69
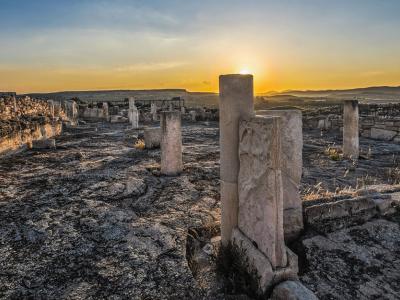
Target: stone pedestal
255, 261
292, 163
236, 102
152, 137
350, 129
260, 215
171, 143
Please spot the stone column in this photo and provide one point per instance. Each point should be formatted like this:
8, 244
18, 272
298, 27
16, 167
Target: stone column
105, 111
171, 143
183, 110
71, 111
133, 113
350, 129
235, 103
170, 107
153, 109
260, 215
292, 164
193, 115
51, 108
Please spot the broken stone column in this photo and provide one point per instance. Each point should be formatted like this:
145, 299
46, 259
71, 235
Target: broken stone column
170, 107
57, 108
350, 129
133, 113
51, 108
193, 115
153, 110
171, 143
106, 111
183, 110
259, 236
235, 103
260, 215
71, 111
292, 164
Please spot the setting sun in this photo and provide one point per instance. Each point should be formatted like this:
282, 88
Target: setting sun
244, 72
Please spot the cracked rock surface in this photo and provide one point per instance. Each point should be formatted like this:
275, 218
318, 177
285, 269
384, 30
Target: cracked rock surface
94, 219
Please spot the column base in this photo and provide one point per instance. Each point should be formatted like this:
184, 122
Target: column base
259, 267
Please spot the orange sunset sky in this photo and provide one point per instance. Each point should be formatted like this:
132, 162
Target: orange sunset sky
89, 45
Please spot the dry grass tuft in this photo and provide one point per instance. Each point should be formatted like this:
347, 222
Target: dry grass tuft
140, 145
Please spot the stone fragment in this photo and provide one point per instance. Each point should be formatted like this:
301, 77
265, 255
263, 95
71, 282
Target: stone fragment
44, 144
292, 290
152, 137
171, 143
260, 215
382, 134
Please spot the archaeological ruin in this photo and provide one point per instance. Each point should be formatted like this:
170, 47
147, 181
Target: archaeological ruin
166, 197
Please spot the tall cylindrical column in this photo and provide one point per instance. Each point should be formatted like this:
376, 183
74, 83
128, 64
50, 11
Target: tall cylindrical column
235, 104
171, 143
350, 129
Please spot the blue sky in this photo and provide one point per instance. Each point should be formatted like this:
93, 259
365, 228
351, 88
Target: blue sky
289, 44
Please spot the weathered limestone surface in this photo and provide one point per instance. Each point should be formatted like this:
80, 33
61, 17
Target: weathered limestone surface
152, 137
292, 163
260, 214
171, 143
350, 129
236, 102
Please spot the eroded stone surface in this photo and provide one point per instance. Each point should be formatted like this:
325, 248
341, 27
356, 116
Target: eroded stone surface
94, 220
360, 262
260, 213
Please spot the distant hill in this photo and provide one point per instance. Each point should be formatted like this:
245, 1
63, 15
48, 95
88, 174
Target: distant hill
368, 93
113, 95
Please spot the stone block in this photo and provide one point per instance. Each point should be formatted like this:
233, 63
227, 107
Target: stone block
260, 214
292, 290
382, 134
152, 137
44, 144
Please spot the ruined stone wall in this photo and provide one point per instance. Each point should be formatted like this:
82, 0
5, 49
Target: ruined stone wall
23, 120
377, 121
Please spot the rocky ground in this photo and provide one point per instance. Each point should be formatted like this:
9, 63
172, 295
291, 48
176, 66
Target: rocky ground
94, 219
